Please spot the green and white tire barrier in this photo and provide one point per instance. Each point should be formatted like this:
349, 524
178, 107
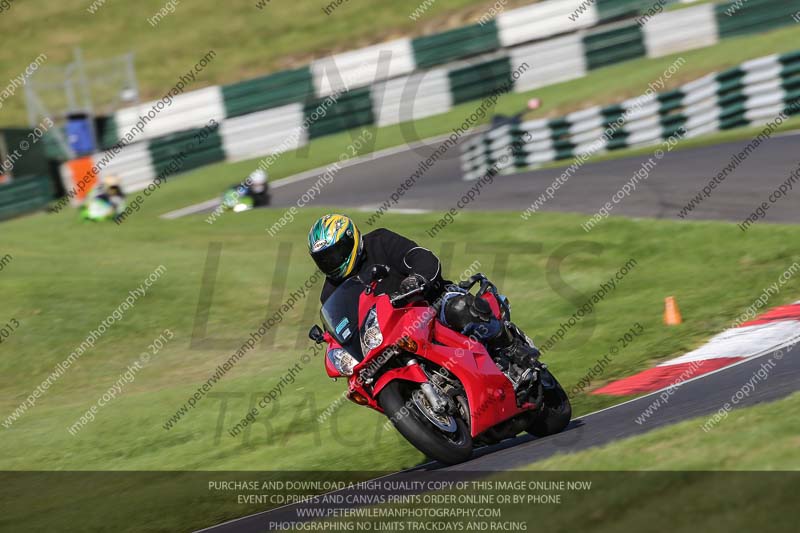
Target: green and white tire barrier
410, 79
386, 63
754, 93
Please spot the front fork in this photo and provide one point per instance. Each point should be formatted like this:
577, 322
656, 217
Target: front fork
413, 372
439, 402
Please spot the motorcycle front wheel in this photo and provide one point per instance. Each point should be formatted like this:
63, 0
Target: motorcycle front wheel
446, 440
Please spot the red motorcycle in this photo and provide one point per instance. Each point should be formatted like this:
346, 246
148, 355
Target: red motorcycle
441, 389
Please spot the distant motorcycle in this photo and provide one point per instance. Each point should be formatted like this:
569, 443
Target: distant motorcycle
441, 390
241, 197
97, 210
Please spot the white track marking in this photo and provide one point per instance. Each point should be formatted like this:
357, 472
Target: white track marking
743, 342
192, 209
394, 210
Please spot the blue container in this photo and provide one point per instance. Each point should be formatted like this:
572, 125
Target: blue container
80, 134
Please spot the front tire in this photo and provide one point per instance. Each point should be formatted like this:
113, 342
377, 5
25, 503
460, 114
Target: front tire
556, 412
395, 400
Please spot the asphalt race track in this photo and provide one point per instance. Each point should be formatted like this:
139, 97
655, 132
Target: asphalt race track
693, 398
675, 180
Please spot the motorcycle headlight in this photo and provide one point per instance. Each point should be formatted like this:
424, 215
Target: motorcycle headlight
342, 361
371, 336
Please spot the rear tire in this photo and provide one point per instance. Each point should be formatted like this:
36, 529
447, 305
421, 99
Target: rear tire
556, 412
395, 398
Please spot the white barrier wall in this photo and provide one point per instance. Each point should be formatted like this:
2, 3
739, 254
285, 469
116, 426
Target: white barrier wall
413, 97
545, 19
247, 136
551, 61
363, 67
684, 29
193, 109
132, 165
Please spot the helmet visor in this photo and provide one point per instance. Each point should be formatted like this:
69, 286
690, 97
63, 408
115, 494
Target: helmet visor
332, 259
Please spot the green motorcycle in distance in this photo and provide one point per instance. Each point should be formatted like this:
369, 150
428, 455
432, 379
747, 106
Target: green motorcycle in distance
237, 199
98, 210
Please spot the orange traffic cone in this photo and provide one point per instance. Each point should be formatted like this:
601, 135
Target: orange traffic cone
672, 315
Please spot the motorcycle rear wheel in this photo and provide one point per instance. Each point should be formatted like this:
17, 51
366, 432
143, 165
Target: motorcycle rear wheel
395, 400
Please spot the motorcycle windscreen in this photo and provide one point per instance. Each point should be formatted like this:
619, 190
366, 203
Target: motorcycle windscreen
340, 316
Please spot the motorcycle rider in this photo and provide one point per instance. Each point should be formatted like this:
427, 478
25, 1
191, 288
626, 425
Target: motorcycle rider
341, 251
257, 188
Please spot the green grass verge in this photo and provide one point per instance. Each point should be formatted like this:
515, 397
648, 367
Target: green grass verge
57, 303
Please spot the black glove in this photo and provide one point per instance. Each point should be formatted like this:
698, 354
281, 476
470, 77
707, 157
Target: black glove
412, 282
409, 283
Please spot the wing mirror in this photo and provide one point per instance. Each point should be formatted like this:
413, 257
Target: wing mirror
316, 335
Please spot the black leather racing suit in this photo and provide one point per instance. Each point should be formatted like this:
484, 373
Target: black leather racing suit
402, 256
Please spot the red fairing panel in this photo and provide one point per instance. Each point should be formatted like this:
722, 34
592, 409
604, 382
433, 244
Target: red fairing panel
489, 392
408, 373
494, 304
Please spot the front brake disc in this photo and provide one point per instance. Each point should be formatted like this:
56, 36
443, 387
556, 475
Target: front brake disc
445, 423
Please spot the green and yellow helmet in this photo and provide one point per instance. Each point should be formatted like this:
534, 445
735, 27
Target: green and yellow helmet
335, 245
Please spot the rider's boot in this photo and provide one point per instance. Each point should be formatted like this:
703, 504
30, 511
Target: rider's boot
516, 355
